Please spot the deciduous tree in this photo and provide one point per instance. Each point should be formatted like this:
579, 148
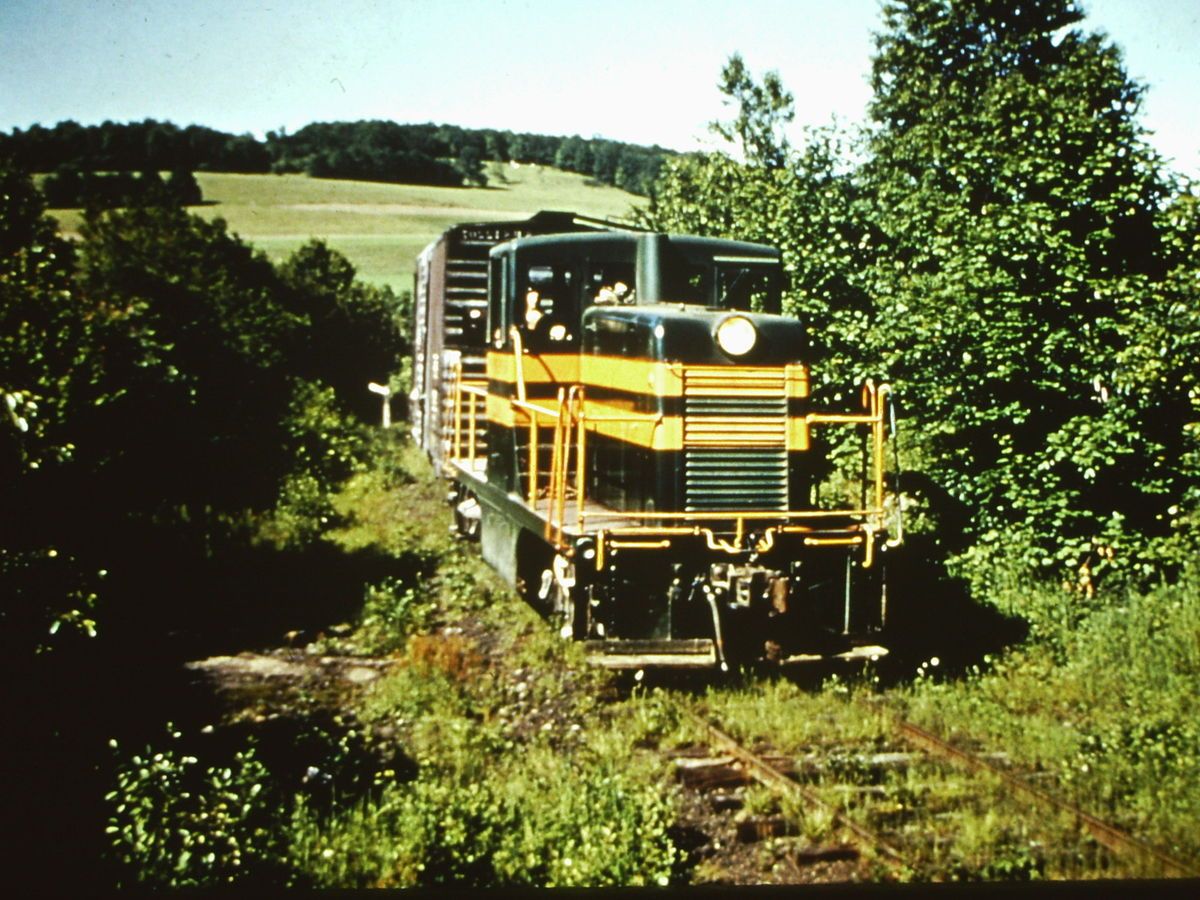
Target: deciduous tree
1015, 211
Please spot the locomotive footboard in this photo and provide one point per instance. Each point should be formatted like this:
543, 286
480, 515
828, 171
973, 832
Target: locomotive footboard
680, 653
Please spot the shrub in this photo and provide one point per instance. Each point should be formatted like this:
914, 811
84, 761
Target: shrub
591, 822
392, 610
487, 807
177, 823
538, 820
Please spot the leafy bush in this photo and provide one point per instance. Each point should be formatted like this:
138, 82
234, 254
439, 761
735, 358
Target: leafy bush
177, 823
324, 447
1005, 246
149, 384
354, 333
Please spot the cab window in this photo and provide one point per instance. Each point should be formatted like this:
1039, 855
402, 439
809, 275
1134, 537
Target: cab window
748, 287
609, 284
688, 283
546, 307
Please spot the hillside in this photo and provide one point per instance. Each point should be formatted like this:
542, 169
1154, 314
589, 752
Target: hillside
382, 227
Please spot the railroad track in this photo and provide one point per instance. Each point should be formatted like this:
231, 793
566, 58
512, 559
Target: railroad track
774, 777
1116, 840
901, 850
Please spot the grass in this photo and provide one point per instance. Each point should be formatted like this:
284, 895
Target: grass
1097, 707
382, 227
503, 766
527, 769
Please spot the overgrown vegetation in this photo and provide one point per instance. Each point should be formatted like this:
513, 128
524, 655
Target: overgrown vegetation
165, 378
491, 806
171, 400
178, 823
503, 786
1100, 702
1003, 244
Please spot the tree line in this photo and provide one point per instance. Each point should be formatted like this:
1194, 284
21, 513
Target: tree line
366, 150
69, 187
1002, 242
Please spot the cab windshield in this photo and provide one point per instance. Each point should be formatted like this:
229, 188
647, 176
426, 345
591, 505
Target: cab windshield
748, 287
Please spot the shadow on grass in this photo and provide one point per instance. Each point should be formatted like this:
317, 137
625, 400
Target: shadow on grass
930, 614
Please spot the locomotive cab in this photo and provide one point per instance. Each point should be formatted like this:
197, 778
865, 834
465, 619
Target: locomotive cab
536, 283
647, 470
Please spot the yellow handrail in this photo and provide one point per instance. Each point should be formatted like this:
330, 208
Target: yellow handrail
571, 422
534, 450
518, 361
576, 401
564, 463
875, 397
556, 463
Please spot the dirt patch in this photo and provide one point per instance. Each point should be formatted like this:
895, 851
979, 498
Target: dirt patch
286, 681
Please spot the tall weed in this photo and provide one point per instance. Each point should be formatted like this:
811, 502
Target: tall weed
488, 809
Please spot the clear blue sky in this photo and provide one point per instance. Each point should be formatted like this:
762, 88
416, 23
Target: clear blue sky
634, 70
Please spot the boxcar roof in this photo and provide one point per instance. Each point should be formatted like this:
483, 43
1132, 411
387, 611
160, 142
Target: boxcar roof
582, 243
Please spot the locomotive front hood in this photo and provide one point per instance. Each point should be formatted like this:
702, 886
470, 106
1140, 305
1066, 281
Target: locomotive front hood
693, 335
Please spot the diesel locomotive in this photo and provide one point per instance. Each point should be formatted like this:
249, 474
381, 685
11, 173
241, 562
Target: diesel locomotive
627, 424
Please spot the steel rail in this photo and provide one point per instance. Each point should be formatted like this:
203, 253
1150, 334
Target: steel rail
1111, 837
771, 777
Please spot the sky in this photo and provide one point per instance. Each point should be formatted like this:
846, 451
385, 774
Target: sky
642, 71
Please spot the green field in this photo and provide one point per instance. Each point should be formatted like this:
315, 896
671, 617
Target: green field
382, 227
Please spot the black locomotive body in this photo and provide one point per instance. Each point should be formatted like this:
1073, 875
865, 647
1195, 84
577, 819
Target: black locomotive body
637, 455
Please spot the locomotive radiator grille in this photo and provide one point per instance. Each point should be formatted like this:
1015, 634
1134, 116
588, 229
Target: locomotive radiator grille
736, 479
735, 427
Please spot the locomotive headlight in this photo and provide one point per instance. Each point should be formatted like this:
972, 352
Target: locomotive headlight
737, 335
